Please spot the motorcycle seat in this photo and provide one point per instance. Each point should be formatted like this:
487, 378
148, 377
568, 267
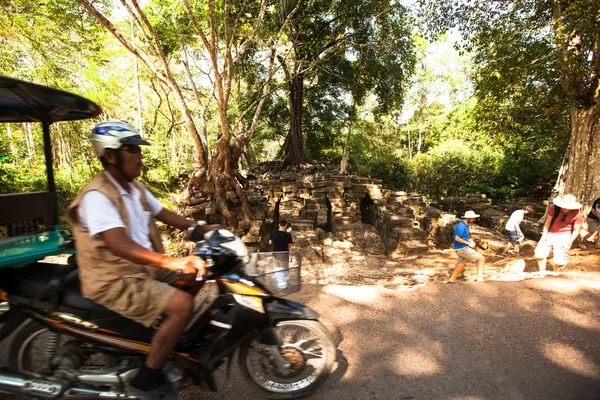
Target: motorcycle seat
56, 287
97, 314
71, 297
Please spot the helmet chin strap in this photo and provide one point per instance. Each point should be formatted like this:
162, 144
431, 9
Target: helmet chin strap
119, 166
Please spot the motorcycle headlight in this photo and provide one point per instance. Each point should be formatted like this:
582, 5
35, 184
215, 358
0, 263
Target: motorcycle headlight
236, 246
251, 302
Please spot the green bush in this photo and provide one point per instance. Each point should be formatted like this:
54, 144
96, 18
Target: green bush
451, 169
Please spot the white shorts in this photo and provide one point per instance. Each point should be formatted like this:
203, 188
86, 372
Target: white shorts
558, 243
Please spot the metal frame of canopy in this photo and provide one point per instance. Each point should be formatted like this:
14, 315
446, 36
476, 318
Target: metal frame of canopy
22, 101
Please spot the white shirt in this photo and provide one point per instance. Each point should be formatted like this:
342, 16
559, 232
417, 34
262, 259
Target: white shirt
98, 214
515, 219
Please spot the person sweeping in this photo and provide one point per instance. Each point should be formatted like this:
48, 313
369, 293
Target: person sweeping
463, 246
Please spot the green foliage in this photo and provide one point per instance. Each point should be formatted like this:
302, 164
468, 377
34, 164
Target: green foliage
343, 52
356, 59
375, 152
452, 168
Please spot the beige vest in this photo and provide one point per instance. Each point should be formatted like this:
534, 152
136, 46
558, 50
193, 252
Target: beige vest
98, 266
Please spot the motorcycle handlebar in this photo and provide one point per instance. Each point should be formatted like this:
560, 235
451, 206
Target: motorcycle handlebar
199, 277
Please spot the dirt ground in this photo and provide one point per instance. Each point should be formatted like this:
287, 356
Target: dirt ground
347, 267
402, 333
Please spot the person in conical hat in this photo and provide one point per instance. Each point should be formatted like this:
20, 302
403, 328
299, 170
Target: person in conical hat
464, 248
561, 228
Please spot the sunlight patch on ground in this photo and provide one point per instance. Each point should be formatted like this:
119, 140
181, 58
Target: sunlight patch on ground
531, 303
572, 359
574, 317
587, 280
415, 363
354, 294
563, 285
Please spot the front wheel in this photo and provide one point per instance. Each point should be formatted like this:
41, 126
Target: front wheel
307, 346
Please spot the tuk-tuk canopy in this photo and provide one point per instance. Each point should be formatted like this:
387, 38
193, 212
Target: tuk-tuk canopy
22, 101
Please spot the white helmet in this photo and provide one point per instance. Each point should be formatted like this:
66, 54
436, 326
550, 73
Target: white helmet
114, 134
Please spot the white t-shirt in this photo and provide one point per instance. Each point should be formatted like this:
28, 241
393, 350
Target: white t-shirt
515, 219
97, 214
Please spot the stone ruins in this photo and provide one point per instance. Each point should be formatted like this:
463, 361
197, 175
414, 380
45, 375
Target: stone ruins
357, 213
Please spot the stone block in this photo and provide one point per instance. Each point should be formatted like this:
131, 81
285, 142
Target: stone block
410, 233
303, 225
340, 222
409, 247
398, 220
323, 184
355, 195
251, 239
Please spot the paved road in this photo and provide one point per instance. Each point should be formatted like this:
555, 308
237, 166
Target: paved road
537, 339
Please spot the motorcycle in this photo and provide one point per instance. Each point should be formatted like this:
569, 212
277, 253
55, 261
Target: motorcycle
70, 347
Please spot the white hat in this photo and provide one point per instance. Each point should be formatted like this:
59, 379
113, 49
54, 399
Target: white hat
568, 202
470, 214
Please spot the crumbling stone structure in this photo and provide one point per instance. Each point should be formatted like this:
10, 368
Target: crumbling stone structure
352, 212
348, 208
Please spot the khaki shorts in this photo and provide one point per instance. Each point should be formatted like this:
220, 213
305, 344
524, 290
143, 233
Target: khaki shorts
592, 225
141, 300
558, 244
467, 254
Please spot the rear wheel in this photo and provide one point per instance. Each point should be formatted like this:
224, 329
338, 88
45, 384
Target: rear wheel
307, 346
34, 346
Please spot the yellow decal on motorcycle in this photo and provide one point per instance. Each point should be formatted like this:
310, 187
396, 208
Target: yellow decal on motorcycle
3, 295
75, 320
240, 288
125, 344
254, 303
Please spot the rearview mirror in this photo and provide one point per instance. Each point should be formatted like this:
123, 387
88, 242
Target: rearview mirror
195, 233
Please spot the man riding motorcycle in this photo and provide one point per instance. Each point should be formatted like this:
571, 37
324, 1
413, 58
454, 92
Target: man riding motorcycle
121, 260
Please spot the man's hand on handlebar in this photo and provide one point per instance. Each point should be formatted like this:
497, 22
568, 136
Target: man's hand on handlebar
187, 265
212, 227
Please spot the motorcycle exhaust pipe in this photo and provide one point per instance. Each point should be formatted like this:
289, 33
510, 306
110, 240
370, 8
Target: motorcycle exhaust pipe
89, 394
32, 385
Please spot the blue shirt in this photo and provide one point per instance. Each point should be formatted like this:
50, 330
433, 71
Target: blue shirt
462, 231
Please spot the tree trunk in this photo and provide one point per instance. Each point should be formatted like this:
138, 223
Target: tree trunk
294, 152
29, 140
582, 168
13, 148
420, 142
203, 135
138, 89
344, 163
345, 156
409, 148
162, 71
